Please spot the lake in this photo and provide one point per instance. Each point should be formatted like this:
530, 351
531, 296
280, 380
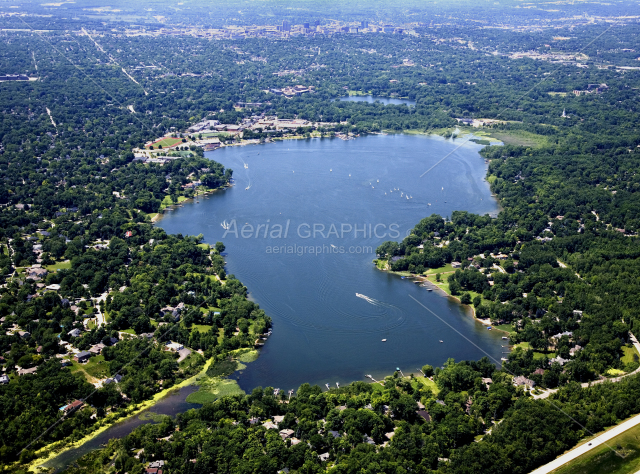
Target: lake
301, 225
324, 332
383, 100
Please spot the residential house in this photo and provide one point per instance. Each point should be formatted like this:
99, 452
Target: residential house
36, 274
76, 404
32, 370
74, 332
284, 434
116, 379
4, 379
174, 346
424, 414
522, 381
96, 349
82, 357
558, 360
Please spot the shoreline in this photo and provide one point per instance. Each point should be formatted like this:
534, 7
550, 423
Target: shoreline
55, 451
443, 292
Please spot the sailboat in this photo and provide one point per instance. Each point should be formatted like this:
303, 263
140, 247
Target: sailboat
246, 166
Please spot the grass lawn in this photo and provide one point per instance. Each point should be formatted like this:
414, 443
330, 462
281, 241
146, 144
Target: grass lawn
59, 266
628, 352
129, 331
446, 268
202, 327
428, 383
205, 246
166, 142
168, 202
381, 263
604, 460
505, 327
94, 369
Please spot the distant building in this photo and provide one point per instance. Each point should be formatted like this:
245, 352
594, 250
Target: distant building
4, 379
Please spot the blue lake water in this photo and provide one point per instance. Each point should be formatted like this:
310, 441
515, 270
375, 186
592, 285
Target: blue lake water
353, 194
383, 100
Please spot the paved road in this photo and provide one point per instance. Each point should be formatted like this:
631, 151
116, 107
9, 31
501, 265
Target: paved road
586, 447
599, 440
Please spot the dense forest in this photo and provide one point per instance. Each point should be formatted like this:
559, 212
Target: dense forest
557, 267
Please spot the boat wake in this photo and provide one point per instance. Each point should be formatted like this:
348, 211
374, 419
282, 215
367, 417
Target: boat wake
374, 301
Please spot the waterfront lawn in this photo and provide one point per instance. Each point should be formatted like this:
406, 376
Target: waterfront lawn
505, 327
603, 459
430, 384
381, 263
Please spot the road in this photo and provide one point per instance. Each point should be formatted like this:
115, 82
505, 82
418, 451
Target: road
633, 339
586, 447
599, 440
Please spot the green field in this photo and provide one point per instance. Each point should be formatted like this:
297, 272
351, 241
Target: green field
95, 368
628, 352
202, 327
59, 266
602, 459
166, 142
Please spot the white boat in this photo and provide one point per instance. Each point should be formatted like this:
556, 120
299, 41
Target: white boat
384, 340
246, 166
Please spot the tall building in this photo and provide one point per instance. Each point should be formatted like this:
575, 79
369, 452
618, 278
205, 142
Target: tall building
286, 26
364, 24
306, 25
